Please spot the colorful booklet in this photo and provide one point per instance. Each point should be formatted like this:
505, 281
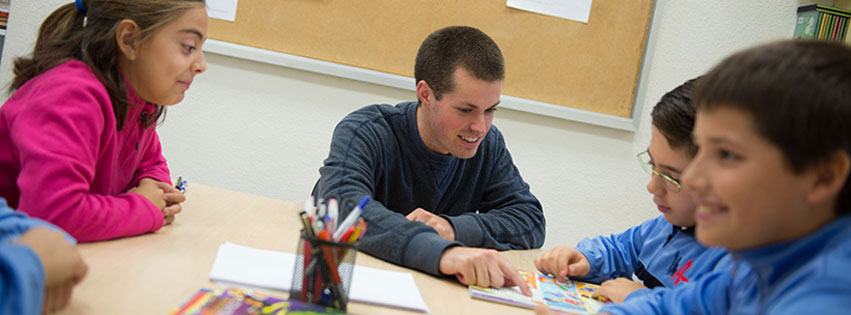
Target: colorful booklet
233, 301
572, 297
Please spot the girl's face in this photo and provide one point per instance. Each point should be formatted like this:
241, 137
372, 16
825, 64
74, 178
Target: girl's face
678, 207
747, 195
164, 64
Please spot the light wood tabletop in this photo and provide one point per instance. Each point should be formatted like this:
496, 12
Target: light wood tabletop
154, 273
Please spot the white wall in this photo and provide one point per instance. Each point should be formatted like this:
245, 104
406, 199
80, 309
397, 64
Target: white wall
265, 129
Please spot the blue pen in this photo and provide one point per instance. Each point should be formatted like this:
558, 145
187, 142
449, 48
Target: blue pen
351, 218
181, 184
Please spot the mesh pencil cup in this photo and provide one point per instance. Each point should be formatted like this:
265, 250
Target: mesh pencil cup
323, 272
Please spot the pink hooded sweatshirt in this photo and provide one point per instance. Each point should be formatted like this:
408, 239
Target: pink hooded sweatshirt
63, 160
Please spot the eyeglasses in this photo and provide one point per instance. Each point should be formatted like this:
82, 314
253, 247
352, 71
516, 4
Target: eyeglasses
647, 164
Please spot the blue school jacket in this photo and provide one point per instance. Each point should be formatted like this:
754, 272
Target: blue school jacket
21, 271
656, 252
809, 275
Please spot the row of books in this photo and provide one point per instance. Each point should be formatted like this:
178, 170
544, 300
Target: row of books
822, 22
4, 14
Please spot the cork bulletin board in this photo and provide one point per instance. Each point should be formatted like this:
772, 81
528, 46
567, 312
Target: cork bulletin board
592, 67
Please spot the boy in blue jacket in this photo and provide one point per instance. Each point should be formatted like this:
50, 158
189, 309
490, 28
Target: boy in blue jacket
771, 183
661, 252
39, 265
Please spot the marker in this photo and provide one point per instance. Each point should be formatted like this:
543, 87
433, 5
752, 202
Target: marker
308, 207
351, 219
306, 222
181, 184
333, 213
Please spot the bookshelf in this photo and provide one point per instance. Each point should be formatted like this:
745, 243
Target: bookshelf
824, 20
4, 17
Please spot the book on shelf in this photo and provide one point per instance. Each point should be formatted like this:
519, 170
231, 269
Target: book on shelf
571, 296
822, 22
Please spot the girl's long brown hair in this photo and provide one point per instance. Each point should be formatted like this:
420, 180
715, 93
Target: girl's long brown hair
63, 37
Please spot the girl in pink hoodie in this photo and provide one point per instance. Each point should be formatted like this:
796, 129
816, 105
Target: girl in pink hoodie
78, 146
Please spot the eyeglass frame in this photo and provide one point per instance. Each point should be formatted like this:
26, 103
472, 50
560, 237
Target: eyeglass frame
650, 169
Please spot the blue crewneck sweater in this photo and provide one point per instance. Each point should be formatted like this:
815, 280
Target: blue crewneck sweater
377, 151
808, 275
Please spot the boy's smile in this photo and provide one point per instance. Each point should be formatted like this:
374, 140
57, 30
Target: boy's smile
746, 192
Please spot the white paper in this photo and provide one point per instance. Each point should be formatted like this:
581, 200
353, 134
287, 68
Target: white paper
262, 268
237, 264
222, 9
577, 10
393, 288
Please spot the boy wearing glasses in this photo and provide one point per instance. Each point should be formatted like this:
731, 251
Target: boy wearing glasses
771, 184
661, 252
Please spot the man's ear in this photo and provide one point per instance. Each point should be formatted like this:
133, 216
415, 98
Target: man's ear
424, 93
127, 36
831, 175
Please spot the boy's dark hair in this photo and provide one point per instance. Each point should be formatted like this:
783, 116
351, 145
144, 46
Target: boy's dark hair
674, 117
63, 37
446, 49
799, 95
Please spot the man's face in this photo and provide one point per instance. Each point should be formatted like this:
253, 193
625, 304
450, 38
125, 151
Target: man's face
458, 122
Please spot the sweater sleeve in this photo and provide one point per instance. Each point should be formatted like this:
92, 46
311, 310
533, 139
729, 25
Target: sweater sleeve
348, 175
709, 295
153, 163
21, 280
615, 255
510, 216
57, 138
21, 271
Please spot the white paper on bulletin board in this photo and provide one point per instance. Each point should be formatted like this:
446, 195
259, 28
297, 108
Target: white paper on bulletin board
576, 10
222, 9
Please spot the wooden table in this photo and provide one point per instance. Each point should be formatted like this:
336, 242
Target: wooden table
155, 273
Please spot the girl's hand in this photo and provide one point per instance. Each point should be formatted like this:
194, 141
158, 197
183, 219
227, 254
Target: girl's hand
173, 199
150, 189
563, 261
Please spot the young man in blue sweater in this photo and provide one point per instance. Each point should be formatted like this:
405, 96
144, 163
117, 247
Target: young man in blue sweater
445, 190
661, 252
771, 183
39, 265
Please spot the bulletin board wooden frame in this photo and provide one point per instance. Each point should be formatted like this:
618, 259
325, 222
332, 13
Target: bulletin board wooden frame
555, 67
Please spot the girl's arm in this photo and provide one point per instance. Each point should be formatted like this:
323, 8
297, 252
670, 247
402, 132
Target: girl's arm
58, 138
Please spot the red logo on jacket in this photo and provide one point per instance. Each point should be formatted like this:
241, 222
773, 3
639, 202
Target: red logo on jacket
680, 274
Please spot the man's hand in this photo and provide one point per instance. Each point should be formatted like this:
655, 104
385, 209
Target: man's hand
481, 267
63, 266
617, 289
443, 227
563, 261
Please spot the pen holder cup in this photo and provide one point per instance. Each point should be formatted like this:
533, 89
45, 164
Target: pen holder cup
323, 272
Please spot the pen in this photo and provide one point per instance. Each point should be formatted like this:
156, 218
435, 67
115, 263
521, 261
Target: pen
351, 219
306, 222
181, 184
